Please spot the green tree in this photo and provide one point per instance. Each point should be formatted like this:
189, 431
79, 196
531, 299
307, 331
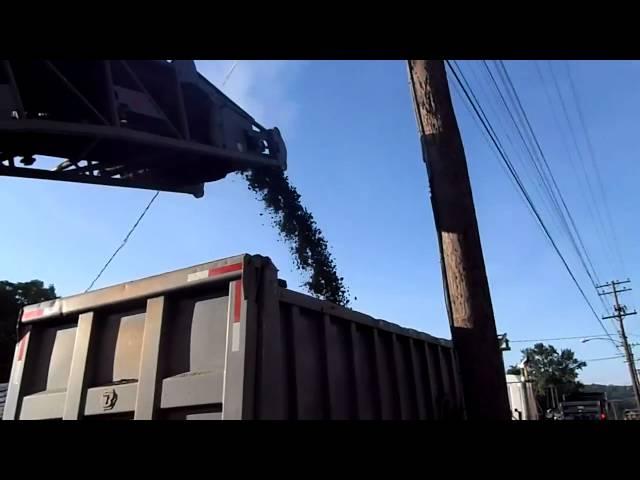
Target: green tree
13, 296
547, 367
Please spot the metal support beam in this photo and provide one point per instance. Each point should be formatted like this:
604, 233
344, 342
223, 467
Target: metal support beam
147, 398
77, 375
76, 92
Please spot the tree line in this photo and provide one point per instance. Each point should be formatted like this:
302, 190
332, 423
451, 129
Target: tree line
14, 296
549, 368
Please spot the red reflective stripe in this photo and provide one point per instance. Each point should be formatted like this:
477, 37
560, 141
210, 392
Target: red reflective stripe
225, 269
32, 314
23, 345
237, 303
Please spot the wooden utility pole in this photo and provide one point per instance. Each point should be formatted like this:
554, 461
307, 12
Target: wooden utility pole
620, 313
466, 287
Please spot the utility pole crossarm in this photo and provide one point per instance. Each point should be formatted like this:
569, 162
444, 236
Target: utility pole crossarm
618, 291
615, 282
618, 315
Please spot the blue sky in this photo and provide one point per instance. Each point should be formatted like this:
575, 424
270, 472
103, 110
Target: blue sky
354, 155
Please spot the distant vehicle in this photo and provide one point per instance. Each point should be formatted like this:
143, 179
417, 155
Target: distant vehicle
584, 406
632, 414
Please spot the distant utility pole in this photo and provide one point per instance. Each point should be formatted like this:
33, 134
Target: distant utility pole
620, 313
465, 280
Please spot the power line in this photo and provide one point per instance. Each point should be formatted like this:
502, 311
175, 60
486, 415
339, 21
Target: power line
525, 135
541, 186
544, 181
228, 75
551, 179
563, 137
576, 241
124, 241
582, 189
525, 193
557, 338
491, 145
603, 358
609, 242
599, 223
590, 149
540, 164
146, 209
547, 180
585, 189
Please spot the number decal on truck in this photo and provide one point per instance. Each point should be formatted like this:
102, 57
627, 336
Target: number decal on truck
110, 398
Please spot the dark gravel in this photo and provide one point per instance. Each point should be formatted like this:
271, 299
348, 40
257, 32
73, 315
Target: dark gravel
297, 226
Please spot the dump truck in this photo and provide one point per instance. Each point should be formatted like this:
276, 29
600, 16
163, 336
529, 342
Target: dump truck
584, 406
224, 340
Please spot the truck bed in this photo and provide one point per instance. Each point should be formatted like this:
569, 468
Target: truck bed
223, 340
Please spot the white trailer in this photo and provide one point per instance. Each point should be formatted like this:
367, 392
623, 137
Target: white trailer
522, 399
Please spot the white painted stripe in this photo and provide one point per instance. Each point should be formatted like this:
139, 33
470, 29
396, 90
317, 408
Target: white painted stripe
198, 275
18, 373
235, 337
29, 313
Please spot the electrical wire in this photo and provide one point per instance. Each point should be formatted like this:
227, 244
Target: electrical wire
486, 138
596, 169
532, 340
477, 109
551, 181
538, 186
603, 358
229, 73
146, 209
599, 223
124, 241
576, 241
557, 338
569, 156
600, 226
547, 180
544, 184
524, 135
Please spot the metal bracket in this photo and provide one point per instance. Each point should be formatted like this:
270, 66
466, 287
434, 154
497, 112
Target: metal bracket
503, 343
